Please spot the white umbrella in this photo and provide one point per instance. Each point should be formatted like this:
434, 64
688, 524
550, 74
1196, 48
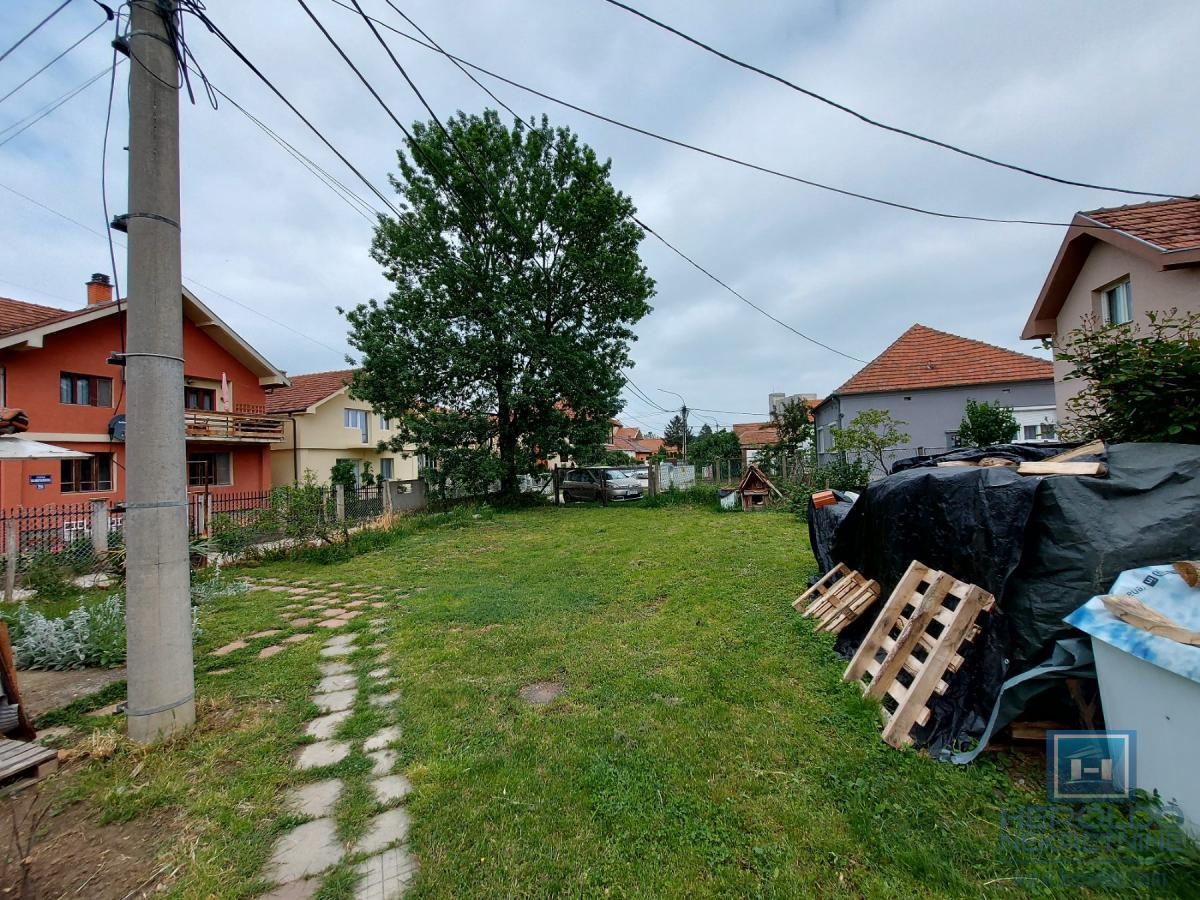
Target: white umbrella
226, 394
16, 447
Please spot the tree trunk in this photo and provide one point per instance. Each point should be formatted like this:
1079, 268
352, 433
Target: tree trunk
508, 448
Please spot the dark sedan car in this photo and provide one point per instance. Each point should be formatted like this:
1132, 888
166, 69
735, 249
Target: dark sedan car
587, 484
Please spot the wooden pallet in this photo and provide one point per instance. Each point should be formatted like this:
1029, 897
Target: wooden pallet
837, 599
26, 760
914, 644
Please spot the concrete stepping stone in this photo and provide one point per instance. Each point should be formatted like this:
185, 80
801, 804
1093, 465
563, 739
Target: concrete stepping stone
386, 828
333, 652
220, 671
350, 614
384, 699
262, 634
303, 622
307, 849
378, 605
322, 753
386, 876
382, 672
335, 668
334, 611
337, 584
331, 623
297, 638
315, 800
324, 727
315, 609
299, 591
391, 788
335, 701
382, 762
355, 604
229, 648
340, 640
291, 606
268, 652
278, 589
331, 683
383, 738
382, 684
357, 594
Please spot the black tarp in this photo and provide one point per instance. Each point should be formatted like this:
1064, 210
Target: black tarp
1041, 545
1013, 452
823, 523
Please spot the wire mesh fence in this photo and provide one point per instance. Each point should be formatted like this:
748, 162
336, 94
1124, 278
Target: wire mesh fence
235, 521
54, 544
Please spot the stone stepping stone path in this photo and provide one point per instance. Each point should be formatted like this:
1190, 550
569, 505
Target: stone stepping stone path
384, 868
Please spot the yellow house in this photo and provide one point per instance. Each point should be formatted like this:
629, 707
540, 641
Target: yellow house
325, 425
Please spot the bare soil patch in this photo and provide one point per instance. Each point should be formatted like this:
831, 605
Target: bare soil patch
541, 692
44, 691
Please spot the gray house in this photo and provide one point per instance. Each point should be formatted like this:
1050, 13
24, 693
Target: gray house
925, 379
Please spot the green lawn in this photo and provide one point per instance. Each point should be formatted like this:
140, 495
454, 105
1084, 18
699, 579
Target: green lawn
704, 744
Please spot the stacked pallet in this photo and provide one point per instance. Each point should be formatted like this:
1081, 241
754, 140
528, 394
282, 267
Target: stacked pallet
838, 598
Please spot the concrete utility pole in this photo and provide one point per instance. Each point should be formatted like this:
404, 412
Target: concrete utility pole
158, 613
683, 411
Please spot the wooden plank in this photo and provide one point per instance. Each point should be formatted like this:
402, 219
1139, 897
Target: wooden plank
958, 464
867, 596
18, 757
909, 582
1092, 448
1047, 467
821, 586
910, 635
989, 462
913, 710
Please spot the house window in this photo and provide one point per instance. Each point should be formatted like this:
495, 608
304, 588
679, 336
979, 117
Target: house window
84, 390
1031, 432
385, 424
1048, 431
952, 440
387, 469
1118, 304
204, 399
357, 419
209, 468
80, 475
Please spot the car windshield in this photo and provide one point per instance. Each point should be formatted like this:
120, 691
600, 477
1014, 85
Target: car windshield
615, 473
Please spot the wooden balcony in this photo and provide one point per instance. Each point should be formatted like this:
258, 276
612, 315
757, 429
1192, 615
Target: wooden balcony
236, 427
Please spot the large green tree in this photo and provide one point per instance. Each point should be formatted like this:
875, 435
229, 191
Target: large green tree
674, 432
517, 285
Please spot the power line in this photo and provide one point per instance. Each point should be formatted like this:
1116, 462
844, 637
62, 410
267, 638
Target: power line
748, 302
208, 23
875, 122
714, 154
33, 118
33, 31
53, 61
642, 224
198, 284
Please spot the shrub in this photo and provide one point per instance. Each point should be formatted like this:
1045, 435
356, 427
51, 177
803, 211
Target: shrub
1138, 387
984, 424
700, 495
49, 575
213, 584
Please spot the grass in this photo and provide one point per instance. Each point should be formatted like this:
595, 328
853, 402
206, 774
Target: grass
704, 744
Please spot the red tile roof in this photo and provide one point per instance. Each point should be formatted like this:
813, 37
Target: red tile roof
622, 431
756, 434
1167, 224
923, 357
17, 315
307, 390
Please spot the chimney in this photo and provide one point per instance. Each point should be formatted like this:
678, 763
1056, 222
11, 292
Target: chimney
99, 289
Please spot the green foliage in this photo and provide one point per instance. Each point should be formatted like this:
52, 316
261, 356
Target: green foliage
701, 495
49, 575
86, 636
599, 456
840, 474
716, 445
794, 449
1139, 386
342, 473
674, 432
517, 285
213, 584
868, 438
984, 424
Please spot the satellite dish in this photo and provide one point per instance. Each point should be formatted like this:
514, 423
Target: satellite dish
116, 428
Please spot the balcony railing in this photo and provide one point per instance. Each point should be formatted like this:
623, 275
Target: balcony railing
222, 426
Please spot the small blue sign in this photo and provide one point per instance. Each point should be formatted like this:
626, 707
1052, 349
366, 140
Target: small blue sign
1090, 765
41, 480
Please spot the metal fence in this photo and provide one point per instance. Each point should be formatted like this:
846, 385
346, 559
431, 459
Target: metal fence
59, 542
237, 520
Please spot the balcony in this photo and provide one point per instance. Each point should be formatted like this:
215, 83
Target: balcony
204, 425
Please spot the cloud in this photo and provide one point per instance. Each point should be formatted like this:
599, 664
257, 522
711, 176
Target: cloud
1081, 89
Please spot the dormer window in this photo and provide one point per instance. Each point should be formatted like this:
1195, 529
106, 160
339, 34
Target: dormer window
1117, 303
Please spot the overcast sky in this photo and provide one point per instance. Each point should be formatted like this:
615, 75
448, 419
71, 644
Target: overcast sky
1092, 91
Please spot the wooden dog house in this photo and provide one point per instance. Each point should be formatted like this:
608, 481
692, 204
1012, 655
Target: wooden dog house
756, 489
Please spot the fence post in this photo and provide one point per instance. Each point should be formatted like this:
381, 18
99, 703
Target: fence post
99, 527
652, 486
11, 545
385, 489
339, 502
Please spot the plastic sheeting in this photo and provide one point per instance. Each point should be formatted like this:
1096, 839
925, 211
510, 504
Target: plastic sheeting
1017, 453
1041, 545
823, 523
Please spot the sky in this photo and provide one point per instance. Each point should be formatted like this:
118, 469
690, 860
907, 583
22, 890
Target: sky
1092, 91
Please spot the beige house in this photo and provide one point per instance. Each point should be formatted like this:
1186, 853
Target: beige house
1117, 265
324, 425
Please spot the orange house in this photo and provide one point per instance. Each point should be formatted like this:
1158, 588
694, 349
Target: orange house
54, 364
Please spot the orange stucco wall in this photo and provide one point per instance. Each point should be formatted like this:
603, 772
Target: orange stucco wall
31, 383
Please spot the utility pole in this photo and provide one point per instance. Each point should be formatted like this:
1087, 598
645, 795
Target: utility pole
158, 614
683, 411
